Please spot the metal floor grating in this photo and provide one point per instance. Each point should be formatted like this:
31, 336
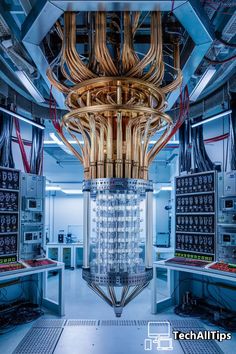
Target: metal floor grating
49, 322
85, 322
173, 323
45, 334
199, 346
186, 323
118, 323
82, 323
39, 341
142, 322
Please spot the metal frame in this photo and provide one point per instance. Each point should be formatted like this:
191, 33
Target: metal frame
46, 12
118, 279
118, 184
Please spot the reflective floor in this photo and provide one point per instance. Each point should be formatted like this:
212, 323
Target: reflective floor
81, 302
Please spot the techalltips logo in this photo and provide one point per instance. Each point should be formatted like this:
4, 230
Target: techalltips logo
160, 336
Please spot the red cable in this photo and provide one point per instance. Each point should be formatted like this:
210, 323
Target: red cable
22, 147
216, 138
172, 6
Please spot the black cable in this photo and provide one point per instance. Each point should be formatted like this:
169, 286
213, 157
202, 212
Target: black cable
207, 161
6, 157
187, 147
33, 151
223, 61
22, 313
201, 159
233, 131
199, 164
228, 323
181, 148
36, 150
200, 149
200, 281
221, 40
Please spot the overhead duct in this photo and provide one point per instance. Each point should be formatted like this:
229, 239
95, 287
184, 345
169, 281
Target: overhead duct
189, 14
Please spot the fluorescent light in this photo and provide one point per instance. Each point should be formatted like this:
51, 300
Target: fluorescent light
72, 191
156, 191
52, 142
166, 188
27, 120
53, 188
210, 119
30, 87
55, 139
202, 83
60, 143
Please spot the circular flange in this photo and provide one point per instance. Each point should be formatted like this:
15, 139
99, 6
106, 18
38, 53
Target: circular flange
118, 279
117, 184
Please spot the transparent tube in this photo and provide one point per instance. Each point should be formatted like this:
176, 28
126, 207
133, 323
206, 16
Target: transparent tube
116, 233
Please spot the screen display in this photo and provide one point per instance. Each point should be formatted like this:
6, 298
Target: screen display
32, 203
229, 203
28, 236
226, 238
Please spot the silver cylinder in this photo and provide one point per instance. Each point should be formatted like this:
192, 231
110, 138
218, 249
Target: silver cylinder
149, 230
86, 229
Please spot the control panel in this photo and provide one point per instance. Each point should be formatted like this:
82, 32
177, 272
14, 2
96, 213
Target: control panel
195, 223
32, 216
229, 183
8, 200
226, 250
32, 204
195, 183
195, 203
227, 238
9, 214
32, 236
9, 179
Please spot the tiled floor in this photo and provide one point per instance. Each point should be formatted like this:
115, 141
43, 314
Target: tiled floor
81, 302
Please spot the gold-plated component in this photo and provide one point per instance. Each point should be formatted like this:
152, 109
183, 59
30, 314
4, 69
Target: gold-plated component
116, 100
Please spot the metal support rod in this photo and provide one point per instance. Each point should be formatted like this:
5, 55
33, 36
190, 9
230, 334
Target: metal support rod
100, 293
125, 291
137, 290
86, 229
112, 295
149, 230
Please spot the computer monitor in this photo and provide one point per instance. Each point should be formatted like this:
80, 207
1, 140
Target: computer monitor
158, 329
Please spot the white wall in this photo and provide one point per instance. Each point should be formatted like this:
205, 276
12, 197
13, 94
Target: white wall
62, 211
161, 220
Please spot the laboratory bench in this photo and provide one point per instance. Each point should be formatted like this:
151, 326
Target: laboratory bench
176, 276
39, 275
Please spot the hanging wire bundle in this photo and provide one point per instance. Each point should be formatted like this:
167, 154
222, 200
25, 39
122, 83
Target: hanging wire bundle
116, 100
